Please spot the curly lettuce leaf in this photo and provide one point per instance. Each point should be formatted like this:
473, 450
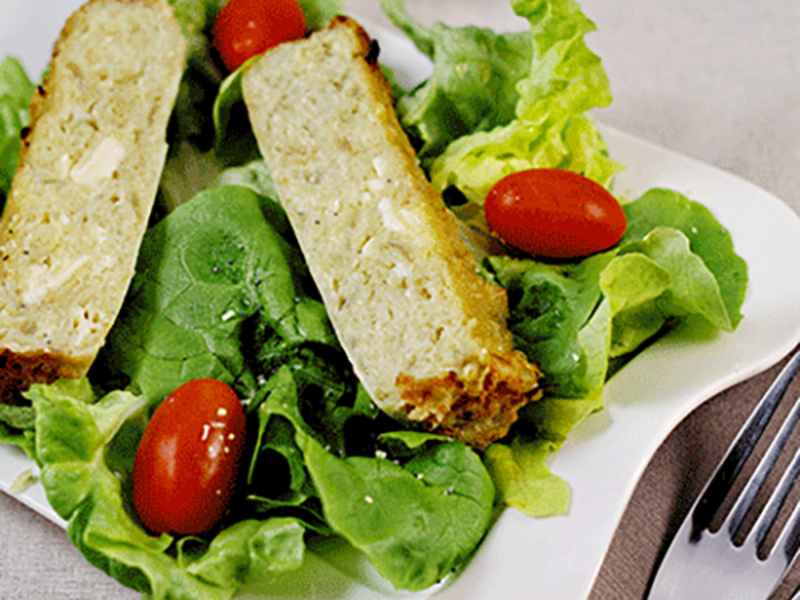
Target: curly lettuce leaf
473, 164
474, 82
16, 91
520, 104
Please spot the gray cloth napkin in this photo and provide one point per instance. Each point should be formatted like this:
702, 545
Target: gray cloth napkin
672, 480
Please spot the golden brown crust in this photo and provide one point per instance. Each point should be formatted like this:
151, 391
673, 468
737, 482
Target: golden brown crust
476, 412
367, 50
32, 368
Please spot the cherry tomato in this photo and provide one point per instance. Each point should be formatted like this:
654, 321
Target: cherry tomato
246, 28
187, 464
554, 213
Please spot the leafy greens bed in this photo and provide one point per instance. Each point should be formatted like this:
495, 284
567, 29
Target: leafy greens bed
222, 291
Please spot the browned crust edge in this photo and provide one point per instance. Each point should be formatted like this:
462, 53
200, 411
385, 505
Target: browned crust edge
18, 371
474, 412
367, 51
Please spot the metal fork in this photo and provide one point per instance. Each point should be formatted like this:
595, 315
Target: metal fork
701, 564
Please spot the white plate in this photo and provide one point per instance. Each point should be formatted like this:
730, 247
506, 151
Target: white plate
557, 558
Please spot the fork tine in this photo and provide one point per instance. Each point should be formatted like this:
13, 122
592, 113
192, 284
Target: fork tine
788, 541
720, 484
745, 501
767, 517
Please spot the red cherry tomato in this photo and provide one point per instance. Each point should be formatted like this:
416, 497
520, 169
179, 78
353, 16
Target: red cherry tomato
246, 28
554, 213
187, 464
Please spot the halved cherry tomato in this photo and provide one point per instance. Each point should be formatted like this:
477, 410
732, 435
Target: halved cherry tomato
554, 213
187, 464
246, 28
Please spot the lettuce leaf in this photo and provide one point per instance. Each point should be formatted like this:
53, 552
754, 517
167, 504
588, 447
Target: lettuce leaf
18, 427
549, 304
75, 438
706, 237
657, 280
16, 91
676, 265
214, 280
246, 549
522, 104
415, 522
473, 86
416, 514
319, 12
523, 479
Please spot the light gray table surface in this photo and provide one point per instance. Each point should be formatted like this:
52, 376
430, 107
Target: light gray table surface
716, 80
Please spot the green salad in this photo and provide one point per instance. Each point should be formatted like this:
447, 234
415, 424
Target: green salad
222, 291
